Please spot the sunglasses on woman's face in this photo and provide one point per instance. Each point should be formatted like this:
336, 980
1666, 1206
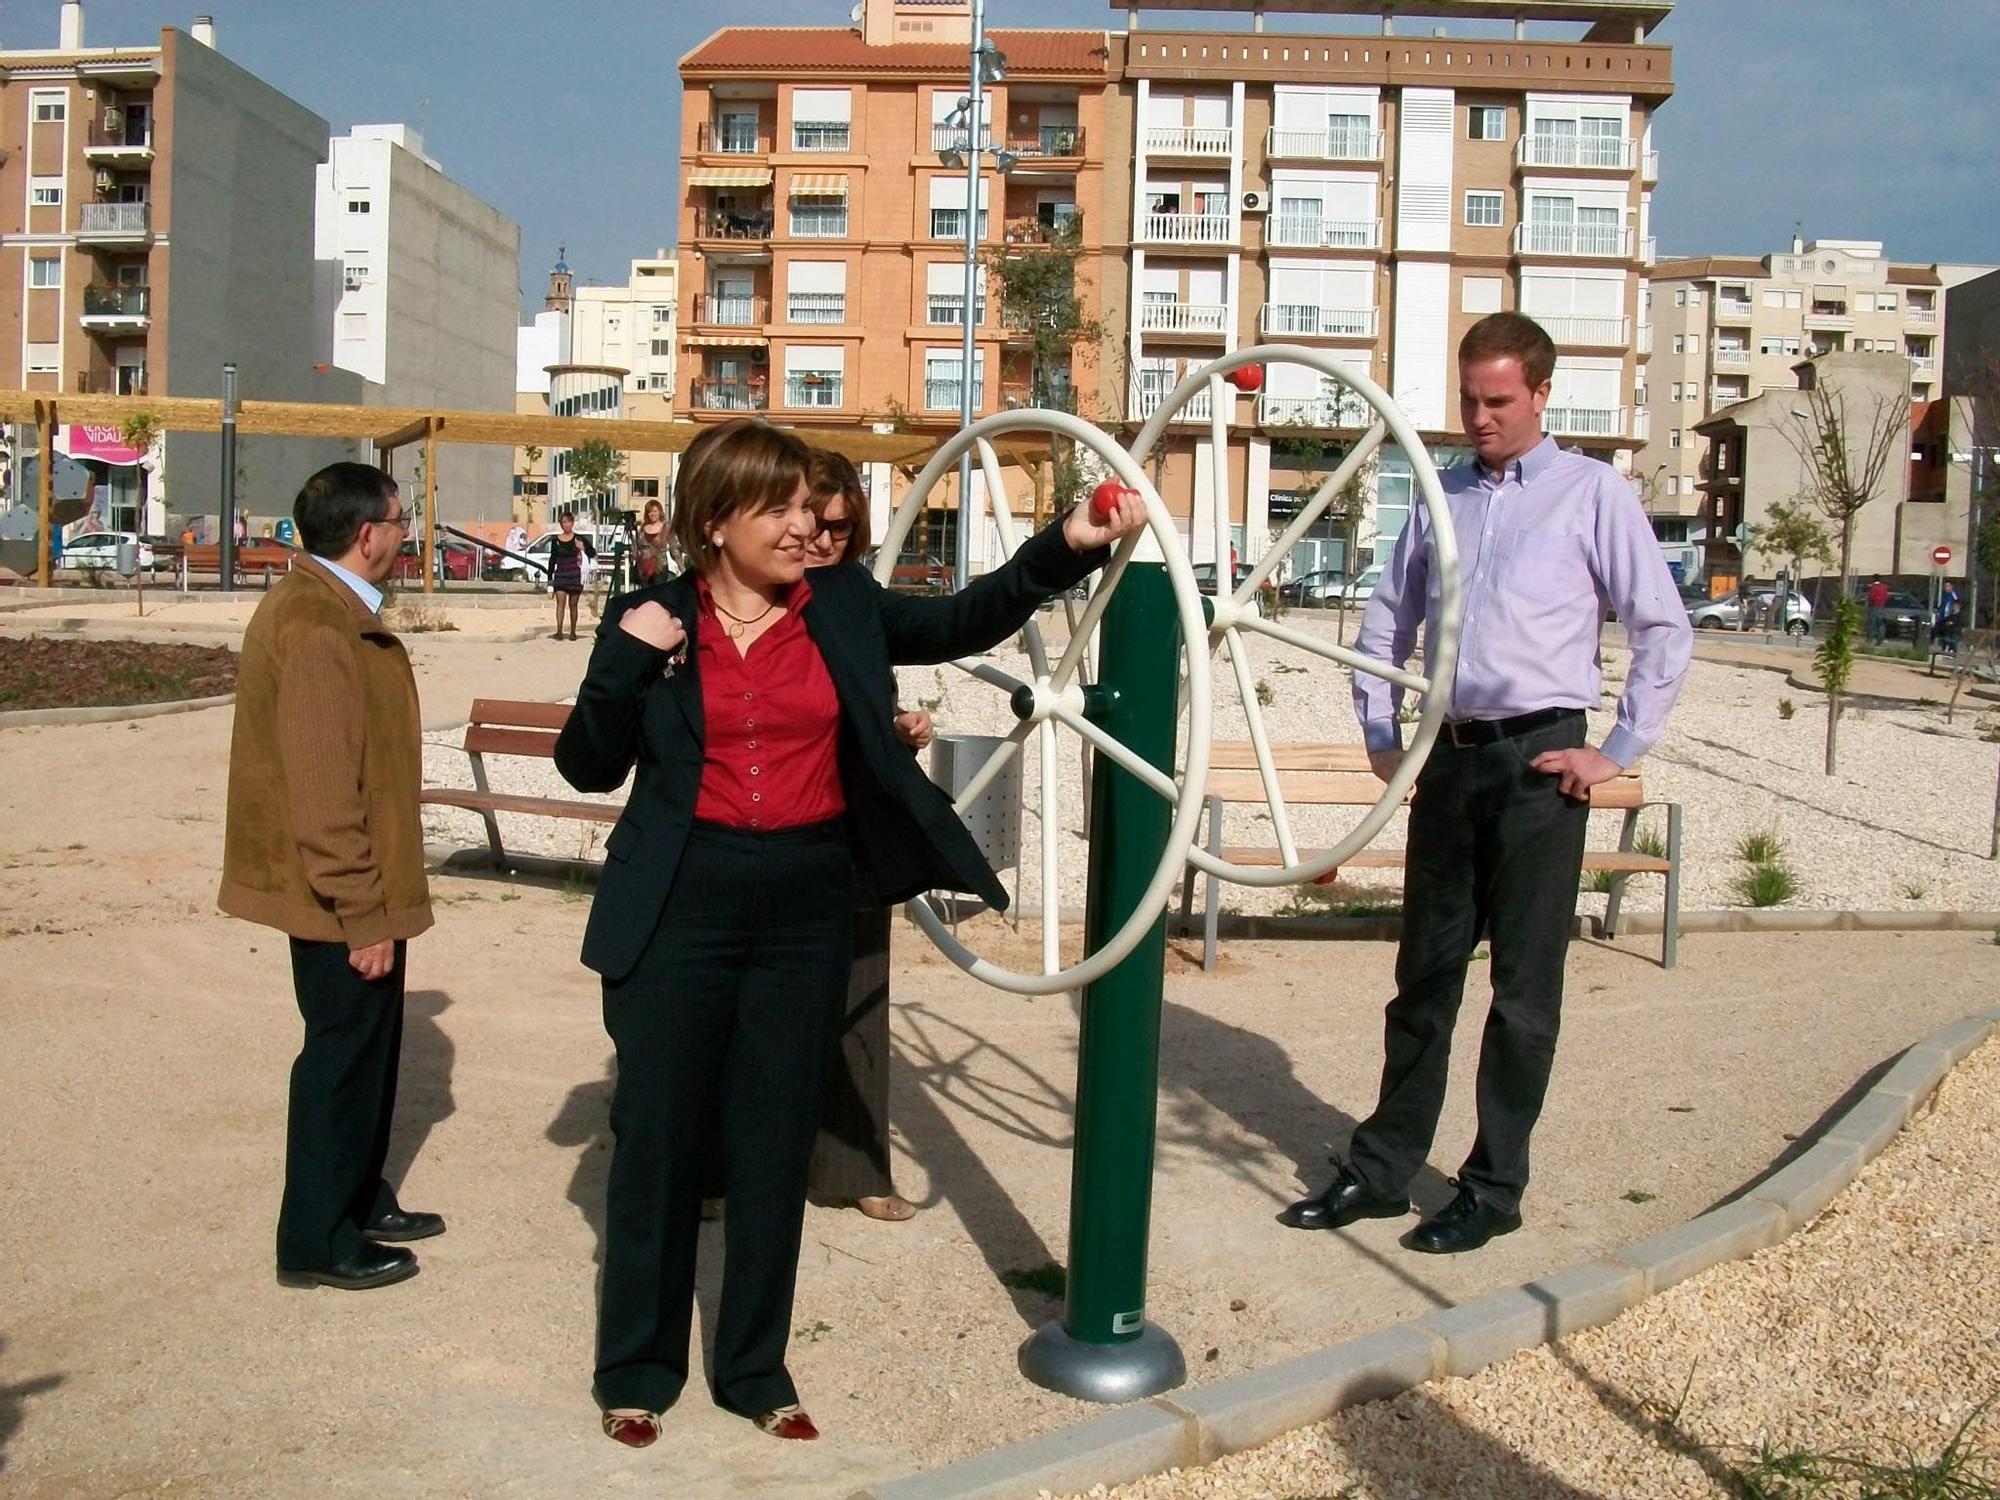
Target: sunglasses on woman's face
840, 531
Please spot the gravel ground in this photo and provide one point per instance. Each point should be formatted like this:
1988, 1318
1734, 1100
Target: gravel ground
1903, 826
1874, 1331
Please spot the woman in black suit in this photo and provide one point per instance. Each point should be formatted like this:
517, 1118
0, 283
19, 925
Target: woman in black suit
772, 800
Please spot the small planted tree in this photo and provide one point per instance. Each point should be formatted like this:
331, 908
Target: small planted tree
1794, 534
595, 469
1036, 272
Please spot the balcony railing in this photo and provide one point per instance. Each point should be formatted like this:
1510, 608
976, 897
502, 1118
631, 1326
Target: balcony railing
1649, 166
1584, 421
816, 307
1187, 229
729, 395
819, 223
812, 390
116, 218
1728, 311
1050, 140
1182, 317
1732, 359
1642, 424
1304, 320
1190, 140
949, 223
731, 138
1607, 152
1602, 240
1728, 393
715, 225
116, 145
1340, 408
1922, 317
729, 310
1649, 251
1359, 144
1028, 230
1310, 231
821, 135
1149, 397
1596, 332
1838, 322
120, 303
956, 137
945, 307
944, 395
1925, 366
126, 380
1645, 345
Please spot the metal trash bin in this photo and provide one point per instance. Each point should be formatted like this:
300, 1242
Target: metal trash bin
994, 821
128, 558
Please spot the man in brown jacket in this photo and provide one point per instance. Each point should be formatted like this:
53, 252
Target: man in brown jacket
325, 843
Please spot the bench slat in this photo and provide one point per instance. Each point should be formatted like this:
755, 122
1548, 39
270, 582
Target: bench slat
1239, 755
537, 744
1361, 789
590, 812
1393, 859
506, 713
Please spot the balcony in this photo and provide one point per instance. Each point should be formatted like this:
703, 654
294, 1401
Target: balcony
1732, 359
114, 148
1649, 166
1605, 153
1829, 319
1732, 312
1303, 320
1728, 392
1149, 397
1194, 318
821, 135
1028, 230
1922, 317
812, 390
1649, 251
1187, 229
819, 223
1642, 425
728, 395
949, 224
1311, 232
115, 224
1330, 408
712, 224
731, 138
942, 308
957, 137
1923, 366
1584, 241
126, 380
1584, 421
117, 309
730, 310
1064, 142
1645, 338
1206, 142
945, 395
1324, 145
816, 307
1592, 333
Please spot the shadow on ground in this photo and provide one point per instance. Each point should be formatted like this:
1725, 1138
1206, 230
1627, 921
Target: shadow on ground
423, 1085
14, 1399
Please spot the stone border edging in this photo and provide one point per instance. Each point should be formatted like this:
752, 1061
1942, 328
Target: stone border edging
1588, 925
27, 718
1184, 1429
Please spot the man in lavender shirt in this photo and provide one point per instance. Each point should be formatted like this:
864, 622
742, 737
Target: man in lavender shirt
1547, 539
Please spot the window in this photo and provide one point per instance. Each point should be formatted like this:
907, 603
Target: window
942, 385
1674, 438
662, 348
50, 110
1486, 122
1694, 296
1680, 344
44, 359
45, 270
354, 325
46, 192
1485, 210
1694, 343
645, 489
1479, 294
820, 119
357, 205
662, 315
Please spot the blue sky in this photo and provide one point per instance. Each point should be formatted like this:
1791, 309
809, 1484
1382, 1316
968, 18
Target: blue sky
1853, 119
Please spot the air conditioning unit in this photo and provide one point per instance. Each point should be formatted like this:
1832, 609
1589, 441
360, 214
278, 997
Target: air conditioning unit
353, 283
107, 180
760, 356
1256, 203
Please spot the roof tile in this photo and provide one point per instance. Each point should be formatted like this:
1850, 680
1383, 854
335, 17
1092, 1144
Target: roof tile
827, 49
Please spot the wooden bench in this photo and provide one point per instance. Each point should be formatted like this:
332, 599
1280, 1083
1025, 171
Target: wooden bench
500, 727
1339, 776
251, 557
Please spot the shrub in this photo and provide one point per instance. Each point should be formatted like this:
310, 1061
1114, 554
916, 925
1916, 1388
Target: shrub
1767, 885
1760, 848
1599, 881
1786, 708
1651, 844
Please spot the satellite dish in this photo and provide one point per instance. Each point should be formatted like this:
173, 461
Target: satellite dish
855, 15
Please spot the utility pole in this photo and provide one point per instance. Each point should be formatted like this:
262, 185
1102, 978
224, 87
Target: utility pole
229, 476
974, 159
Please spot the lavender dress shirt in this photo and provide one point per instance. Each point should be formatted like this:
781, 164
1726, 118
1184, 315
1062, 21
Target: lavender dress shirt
1542, 550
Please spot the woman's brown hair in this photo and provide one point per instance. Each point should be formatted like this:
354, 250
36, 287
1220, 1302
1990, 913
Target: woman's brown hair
741, 465
831, 474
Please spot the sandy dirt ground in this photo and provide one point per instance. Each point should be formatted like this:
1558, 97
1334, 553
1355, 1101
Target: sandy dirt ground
144, 1045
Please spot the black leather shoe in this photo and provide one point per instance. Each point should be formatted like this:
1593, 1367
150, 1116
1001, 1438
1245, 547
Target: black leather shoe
1462, 1224
371, 1266
1341, 1204
401, 1224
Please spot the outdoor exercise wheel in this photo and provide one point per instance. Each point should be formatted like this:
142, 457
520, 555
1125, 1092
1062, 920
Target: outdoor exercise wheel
1056, 698
1235, 613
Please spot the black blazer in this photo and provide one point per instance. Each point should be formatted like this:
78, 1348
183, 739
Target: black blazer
901, 829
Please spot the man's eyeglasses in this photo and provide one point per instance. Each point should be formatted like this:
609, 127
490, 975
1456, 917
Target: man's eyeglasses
400, 522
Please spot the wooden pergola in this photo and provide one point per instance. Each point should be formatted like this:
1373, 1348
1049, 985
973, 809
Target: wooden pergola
391, 427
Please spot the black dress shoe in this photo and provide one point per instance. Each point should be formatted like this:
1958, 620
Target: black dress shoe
1462, 1224
371, 1266
401, 1224
1341, 1204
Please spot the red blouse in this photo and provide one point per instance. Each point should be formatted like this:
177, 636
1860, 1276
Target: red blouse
773, 724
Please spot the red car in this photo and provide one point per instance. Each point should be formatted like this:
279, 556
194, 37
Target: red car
460, 563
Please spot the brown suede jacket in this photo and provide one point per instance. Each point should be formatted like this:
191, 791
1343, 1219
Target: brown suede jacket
324, 838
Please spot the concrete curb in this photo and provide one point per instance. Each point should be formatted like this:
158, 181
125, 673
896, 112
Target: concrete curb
1387, 929
1199, 1426
28, 718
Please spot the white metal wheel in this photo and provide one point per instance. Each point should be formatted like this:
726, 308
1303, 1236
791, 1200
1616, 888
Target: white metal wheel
1236, 613
1054, 700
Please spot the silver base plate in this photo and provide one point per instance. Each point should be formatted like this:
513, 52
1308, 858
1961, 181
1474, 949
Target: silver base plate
1109, 1373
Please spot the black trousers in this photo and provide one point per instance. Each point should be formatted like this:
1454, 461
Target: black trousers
342, 1103
1495, 850
850, 1157
722, 1031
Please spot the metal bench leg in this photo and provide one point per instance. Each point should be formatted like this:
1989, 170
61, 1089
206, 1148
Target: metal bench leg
1670, 926
1211, 916
486, 813
1611, 903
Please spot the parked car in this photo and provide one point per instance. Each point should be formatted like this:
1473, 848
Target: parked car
1362, 588
99, 549
1204, 577
1319, 590
1726, 613
1904, 617
929, 574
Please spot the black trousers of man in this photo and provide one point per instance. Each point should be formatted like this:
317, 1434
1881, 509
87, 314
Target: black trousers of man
343, 1102
723, 1032
1495, 850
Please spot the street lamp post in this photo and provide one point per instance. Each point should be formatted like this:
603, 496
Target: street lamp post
1976, 457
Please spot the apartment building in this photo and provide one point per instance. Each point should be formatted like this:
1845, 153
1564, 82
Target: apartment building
427, 296
822, 234
1371, 195
156, 221
632, 327
1729, 328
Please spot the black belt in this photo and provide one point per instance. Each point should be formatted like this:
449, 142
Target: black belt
1464, 734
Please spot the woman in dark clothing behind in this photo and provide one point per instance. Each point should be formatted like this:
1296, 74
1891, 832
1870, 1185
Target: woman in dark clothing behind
772, 801
566, 555
850, 1159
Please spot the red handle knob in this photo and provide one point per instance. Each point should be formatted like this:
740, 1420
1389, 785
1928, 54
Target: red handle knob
1104, 499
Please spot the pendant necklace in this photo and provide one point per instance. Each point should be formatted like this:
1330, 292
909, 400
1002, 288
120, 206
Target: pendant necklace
737, 624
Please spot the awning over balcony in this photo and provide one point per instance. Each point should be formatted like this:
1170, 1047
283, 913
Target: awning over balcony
730, 177
722, 340
820, 185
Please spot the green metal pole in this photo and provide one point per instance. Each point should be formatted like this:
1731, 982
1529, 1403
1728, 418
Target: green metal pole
1104, 1349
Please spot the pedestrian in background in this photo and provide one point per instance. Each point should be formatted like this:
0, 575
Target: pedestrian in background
567, 556
1878, 622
